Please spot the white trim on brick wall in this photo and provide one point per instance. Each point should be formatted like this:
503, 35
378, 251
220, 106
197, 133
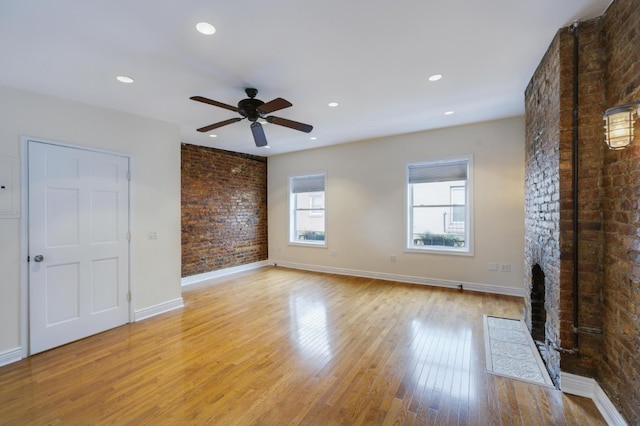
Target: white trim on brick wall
195, 279
589, 388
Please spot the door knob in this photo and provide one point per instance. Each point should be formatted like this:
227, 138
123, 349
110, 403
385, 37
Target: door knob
38, 258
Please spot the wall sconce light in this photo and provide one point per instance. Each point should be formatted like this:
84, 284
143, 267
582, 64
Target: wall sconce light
619, 122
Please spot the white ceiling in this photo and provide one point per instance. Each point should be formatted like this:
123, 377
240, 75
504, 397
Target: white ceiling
374, 57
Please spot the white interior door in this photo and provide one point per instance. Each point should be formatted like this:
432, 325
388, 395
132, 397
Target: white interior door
78, 243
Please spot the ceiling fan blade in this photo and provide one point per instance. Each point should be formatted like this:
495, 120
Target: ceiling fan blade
258, 134
214, 103
219, 124
290, 124
274, 105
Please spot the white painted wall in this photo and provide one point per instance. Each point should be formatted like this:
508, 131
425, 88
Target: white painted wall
365, 201
155, 190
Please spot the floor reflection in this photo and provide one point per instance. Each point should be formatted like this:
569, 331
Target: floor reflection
443, 359
309, 328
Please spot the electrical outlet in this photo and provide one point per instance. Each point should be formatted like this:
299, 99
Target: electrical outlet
334, 253
152, 235
505, 267
393, 258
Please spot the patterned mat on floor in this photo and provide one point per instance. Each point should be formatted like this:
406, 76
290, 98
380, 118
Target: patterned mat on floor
511, 351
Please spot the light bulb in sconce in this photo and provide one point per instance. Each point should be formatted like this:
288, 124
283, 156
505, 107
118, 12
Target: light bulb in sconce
619, 125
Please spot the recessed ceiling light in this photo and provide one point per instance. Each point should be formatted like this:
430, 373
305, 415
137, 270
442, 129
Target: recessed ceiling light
205, 28
313, 138
124, 79
213, 136
435, 77
266, 147
448, 113
333, 104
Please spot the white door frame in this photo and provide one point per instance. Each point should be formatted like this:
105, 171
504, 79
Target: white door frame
24, 233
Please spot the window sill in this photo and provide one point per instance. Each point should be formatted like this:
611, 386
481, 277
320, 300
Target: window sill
439, 250
308, 243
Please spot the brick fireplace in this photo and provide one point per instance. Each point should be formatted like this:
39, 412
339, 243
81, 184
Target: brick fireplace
538, 311
606, 251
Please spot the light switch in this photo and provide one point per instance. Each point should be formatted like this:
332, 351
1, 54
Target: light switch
9, 187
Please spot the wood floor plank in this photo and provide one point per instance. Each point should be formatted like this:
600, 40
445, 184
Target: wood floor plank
280, 346
527, 404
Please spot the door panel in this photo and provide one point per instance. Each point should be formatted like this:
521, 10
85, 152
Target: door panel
105, 292
62, 293
61, 217
78, 224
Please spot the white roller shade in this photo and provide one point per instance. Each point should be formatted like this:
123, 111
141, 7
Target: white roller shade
438, 172
311, 183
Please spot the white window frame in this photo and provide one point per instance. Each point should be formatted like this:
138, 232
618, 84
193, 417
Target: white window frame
453, 190
314, 211
469, 226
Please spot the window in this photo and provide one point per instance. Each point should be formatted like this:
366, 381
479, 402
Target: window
439, 210
308, 218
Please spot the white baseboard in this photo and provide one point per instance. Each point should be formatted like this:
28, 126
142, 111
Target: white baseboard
195, 279
10, 356
589, 388
485, 288
158, 309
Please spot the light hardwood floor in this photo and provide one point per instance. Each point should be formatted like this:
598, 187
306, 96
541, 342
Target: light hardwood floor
278, 346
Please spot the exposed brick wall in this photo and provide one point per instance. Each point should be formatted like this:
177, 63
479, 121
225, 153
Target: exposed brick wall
549, 193
224, 209
620, 367
542, 192
608, 202
590, 152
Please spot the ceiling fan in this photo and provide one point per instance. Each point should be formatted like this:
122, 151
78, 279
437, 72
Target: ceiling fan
254, 109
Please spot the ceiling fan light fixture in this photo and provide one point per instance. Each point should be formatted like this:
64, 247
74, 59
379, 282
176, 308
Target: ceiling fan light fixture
213, 136
448, 113
333, 104
205, 28
435, 77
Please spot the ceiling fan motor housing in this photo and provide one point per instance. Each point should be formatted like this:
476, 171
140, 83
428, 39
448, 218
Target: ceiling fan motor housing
248, 108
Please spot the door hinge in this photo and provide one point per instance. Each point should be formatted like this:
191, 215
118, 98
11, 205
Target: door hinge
128, 176
129, 296
128, 235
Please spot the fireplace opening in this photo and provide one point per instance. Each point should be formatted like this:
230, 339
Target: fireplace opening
538, 312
